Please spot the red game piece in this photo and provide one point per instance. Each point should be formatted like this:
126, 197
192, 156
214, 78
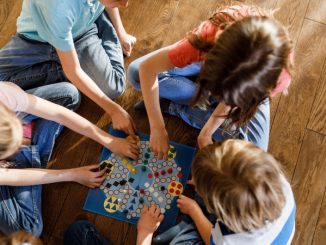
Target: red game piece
173, 184
177, 192
170, 170
150, 175
142, 191
156, 174
179, 186
171, 190
163, 172
179, 175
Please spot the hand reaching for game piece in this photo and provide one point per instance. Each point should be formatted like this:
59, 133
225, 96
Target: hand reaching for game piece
88, 176
127, 42
125, 147
148, 222
187, 205
159, 143
121, 120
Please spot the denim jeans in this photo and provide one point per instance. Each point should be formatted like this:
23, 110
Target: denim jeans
20, 207
177, 86
31, 64
83, 232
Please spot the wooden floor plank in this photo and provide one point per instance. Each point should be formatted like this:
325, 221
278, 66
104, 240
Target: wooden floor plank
9, 11
316, 11
309, 186
289, 125
320, 231
317, 120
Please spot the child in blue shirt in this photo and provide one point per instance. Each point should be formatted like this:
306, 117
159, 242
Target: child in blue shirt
71, 40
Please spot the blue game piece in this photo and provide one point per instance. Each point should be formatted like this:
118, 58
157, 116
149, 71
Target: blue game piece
116, 201
135, 194
125, 211
133, 201
114, 207
137, 188
131, 208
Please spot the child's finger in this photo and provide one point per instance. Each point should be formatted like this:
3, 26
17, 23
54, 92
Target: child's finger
157, 211
160, 218
152, 209
93, 166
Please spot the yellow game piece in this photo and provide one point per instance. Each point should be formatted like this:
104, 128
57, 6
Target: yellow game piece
134, 171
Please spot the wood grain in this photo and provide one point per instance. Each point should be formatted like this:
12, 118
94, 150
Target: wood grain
289, 125
320, 231
309, 175
317, 120
316, 11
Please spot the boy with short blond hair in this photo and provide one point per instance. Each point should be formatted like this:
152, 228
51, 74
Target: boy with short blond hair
247, 191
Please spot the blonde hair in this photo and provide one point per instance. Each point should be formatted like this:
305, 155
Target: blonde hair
11, 132
240, 183
20, 238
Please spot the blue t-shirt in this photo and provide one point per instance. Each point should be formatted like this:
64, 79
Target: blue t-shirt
57, 22
278, 232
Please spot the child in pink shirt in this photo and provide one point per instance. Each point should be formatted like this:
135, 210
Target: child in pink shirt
218, 79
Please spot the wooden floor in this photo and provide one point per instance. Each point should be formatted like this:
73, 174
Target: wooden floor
298, 129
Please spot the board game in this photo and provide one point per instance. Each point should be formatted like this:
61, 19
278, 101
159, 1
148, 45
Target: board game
130, 184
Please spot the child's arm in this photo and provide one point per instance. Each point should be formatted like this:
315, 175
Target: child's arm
120, 118
149, 221
190, 207
32, 176
50, 111
148, 71
215, 120
127, 41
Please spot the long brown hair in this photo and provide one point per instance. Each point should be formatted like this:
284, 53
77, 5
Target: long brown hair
240, 183
242, 67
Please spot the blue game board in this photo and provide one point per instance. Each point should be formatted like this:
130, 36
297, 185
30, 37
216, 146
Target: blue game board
131, 184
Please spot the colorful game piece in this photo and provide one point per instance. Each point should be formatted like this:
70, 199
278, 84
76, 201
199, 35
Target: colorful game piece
175, 188
179, 175
143, 168
142, 191
141, 200
163, 172
172, 152
170, 171
150, 175
156, 174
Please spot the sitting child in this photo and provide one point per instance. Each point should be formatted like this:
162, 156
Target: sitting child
247, 191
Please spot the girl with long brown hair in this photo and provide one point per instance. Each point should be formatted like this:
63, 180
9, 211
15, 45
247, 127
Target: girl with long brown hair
219, 78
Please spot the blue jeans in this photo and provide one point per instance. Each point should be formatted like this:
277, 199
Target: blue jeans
31, 64
178, 86
83, 232
20, 207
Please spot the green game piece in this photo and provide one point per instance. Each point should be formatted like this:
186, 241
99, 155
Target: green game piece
141, 200
172, 150
147, 155
145, 162
143, 168
148, 149
170, 155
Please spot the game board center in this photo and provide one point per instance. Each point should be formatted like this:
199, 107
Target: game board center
143, 177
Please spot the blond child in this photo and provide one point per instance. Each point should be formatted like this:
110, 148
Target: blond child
247, 191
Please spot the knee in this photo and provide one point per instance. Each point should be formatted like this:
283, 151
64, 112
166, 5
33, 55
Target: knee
133, 74
73, 94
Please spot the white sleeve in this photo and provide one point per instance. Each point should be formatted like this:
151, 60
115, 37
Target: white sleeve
13, 96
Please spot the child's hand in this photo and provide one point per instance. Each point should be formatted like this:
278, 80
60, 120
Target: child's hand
204, 139
187, 205
121, 120
124, 147
159, 143
88, 175
149, 220
127, 42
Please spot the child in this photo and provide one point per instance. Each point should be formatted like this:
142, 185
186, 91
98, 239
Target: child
22, 174
84, 232
71, 40
240, 57
247, 191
